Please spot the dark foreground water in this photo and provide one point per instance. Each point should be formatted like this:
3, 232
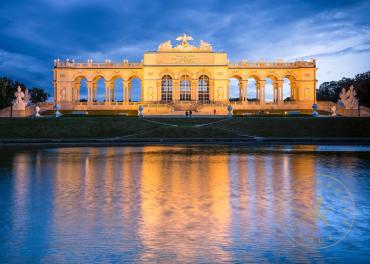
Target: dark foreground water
185, 204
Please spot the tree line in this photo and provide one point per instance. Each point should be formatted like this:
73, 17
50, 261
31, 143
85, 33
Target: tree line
8, 87
329, 91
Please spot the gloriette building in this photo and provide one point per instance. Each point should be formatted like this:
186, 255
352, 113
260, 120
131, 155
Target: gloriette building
185, 77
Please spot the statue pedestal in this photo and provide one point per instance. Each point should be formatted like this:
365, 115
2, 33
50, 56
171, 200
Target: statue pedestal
19, 113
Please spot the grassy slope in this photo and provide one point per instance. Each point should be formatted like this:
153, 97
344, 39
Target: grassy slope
107, 127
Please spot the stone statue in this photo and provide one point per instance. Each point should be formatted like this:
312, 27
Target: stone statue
348, 99
57, 113
19, 103
27, 98
230, 109
165, 46
37, 109
141, 111
220, 93
184, 39
63, 94
333, 110
184, 45
314, 108
205, 46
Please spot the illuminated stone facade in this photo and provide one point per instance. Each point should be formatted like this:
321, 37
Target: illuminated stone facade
183, 74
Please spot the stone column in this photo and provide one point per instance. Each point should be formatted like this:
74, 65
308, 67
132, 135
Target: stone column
126, 90
90, 87
211, 90
261, 88
159, 90
293, 91
194, 90
95, 87
175, 90
279, 85
107, 92
112, 92
244, 85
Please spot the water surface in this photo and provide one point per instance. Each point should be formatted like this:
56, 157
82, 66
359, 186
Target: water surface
185, 204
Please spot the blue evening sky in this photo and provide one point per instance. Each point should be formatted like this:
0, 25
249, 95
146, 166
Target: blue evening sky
35, 32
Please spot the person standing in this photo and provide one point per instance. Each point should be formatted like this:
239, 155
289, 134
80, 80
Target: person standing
214, 112
190, 113
186, 114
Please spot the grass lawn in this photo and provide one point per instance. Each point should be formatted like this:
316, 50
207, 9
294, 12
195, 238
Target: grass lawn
133, 127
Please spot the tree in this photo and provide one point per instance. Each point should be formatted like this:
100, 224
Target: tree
329, 91
38, 95
8, 87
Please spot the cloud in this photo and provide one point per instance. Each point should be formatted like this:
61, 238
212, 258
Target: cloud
24, 68
34, 32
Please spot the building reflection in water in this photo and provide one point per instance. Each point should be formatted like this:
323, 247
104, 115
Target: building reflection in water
183, 204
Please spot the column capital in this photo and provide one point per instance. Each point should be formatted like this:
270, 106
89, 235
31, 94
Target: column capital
90, 84
108, 83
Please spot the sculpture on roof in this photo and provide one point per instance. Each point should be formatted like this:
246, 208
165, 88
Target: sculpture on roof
184, 45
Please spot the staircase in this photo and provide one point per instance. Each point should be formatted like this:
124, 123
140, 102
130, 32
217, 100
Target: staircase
185, 106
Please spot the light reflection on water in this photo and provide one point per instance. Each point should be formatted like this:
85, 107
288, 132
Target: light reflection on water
183, 204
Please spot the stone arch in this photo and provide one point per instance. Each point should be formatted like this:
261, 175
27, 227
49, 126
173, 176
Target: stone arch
254, 76
78, 86
203, 88
98, 94
134, 75
203, 72
236, 75
184, 72
116, 76
235, 88
116, 87
272, 76
290, 89
166, 72
291, 75
135, 82
271, 88
185, 86
81, 75
166, 88
252, 90
97, 77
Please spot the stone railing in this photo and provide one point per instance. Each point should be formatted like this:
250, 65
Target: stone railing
282, 65
108, 65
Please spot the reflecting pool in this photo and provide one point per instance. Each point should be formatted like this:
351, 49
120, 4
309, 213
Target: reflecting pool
276, 204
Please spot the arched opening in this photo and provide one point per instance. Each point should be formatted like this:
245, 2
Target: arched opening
288, 89
166, 88
269, 90
203, 88
185, 93
98, 94
117, 89
235, 89
135, 90
80, 91
252, 91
